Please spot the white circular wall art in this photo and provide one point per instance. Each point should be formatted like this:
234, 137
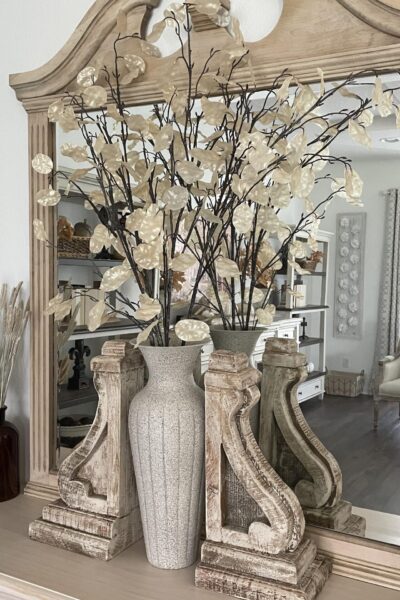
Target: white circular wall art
349, 275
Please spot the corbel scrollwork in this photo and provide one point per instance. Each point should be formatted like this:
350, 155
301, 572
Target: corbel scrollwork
98, 512
231, 392
87, 478
292, 447
270, 558
283, 370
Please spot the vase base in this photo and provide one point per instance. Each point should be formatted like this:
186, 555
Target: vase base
94, 535
245, 574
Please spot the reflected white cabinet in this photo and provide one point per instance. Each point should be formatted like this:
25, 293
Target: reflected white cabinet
286, 328
281, 328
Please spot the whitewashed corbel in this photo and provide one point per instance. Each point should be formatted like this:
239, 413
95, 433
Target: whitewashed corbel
98, 510
270, 559
292, 447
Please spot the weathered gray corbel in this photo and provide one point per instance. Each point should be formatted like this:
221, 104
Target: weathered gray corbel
98, 511
270, 558
293, 449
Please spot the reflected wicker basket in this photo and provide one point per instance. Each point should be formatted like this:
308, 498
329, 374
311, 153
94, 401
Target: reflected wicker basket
77, 247
340, 383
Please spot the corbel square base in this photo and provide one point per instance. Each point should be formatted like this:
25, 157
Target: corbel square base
256, 576
339, 518
97, 536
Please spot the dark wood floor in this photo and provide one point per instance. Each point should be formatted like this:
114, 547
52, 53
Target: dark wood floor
370, 461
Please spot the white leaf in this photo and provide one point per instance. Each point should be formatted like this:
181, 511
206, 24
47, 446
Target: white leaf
190, 330
226, 268
189, 172
175, 198
95, 96
48, 197
39, 230
359, 134
243, 218
353, 184
148, 256
302, 181
101, 237
96, 314
42, 164
183, 262
143, 335
115, 277
87, 77
149, 308
163, 139
265, 316
295, 265
214, 112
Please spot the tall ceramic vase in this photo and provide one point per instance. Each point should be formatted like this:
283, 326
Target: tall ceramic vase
166, 426
241, 509
9, 466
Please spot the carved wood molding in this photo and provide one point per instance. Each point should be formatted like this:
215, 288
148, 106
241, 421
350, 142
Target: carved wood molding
42, 421
88, 37
295, 44
380, 14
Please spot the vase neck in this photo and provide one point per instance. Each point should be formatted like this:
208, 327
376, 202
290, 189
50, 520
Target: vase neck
3, 414
171, 367
237, 340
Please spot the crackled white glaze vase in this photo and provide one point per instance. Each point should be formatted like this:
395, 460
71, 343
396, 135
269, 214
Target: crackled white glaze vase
166, 426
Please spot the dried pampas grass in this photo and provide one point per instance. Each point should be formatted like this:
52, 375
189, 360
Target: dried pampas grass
14, 314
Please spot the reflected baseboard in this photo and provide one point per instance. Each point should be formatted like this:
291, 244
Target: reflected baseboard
358, 558
382, 527
42, 491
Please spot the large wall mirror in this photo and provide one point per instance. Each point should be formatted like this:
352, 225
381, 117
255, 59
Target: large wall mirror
358, 421
346, 327
349, 330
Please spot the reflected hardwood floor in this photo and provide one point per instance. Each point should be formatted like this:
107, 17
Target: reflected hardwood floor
370, 461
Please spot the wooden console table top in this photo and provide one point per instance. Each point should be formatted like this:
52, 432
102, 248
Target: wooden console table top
25, 564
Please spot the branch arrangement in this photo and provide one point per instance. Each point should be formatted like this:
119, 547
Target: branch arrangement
200, 183
14, 314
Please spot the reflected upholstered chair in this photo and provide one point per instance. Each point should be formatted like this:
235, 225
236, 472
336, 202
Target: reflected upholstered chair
388, 384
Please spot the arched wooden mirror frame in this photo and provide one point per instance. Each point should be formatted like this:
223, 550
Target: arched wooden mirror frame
339, 36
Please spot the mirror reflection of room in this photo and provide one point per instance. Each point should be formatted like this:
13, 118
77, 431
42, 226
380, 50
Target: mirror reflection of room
349, 329
81, 266
340, 306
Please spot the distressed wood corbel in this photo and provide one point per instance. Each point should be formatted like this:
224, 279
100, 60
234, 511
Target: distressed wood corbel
293, 449
270, 559
98, 510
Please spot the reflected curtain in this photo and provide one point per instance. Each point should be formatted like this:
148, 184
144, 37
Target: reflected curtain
388, 331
